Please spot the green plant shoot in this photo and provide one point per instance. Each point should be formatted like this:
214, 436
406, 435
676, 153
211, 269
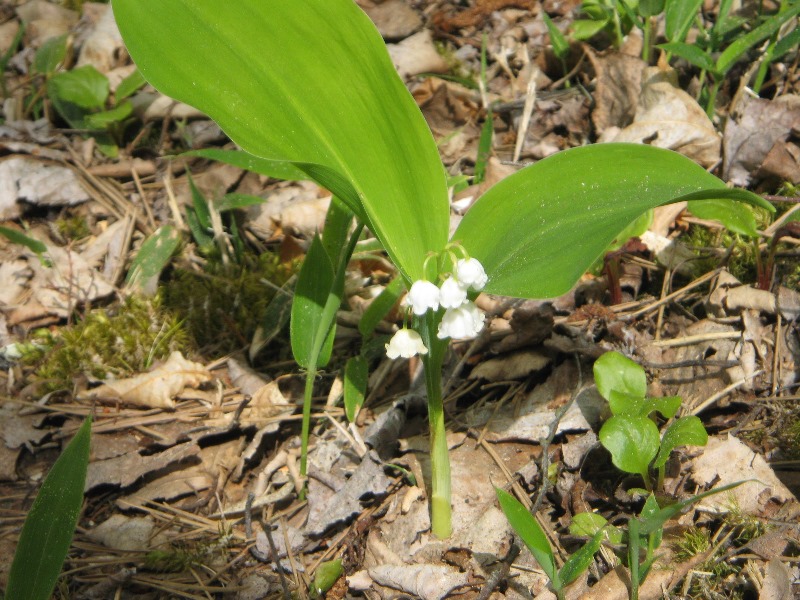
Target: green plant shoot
48, 528
630, 435
311, 87
534, 537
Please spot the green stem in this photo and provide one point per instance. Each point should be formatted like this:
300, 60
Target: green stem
633, 556
647, 43
441, 518
712, 98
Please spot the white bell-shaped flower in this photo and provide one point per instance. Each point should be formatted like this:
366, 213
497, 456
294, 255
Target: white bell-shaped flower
422, 296
470, 273
452, 294
405, 344
466, 321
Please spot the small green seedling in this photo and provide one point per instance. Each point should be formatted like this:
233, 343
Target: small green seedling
717, 63
303, 100
48, 528
534, 537
637, 546
630, 435
616, 18
81, 95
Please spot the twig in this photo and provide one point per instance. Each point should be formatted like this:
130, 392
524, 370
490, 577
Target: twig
551, 434
694, 339
257, 554
722, 393
500, 573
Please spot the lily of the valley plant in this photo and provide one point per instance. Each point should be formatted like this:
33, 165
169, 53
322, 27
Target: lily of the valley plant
308, 91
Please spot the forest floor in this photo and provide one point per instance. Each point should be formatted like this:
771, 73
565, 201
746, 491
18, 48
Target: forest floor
189, 376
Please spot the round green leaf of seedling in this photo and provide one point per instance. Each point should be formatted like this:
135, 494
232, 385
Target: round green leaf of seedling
667, 406
686, 431
632, 441
615, 372
325, 576
589, 523
628, 405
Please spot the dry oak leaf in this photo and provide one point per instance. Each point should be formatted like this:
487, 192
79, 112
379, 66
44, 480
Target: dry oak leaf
668, 117
156, 388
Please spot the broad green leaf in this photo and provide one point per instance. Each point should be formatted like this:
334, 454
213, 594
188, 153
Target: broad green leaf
537, 231
636, 228
678, 18
735, 217
128, 86
743, 43
651, 8
589, 523
380, 306
85, 87
308, 325
356, 373
102, 120
277, 169
335, 236
580, 561
48, 528
153, 256
50, 55
530, 532
615, 372
583, 29
310, 83
691, 53
686, 431
632, 441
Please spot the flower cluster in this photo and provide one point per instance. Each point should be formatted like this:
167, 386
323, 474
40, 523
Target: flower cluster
462, 319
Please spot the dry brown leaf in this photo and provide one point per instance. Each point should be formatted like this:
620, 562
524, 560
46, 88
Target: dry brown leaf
728, 460
38, 183
155, 389
427, 581
531, 418
132, 534
395, 19
757, 140
619, 81
668, 117
777, 582
417, 54
512, 366
103, 43
44, 20
127, 469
